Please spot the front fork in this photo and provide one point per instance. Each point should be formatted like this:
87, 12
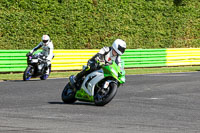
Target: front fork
31, 70
72, 82
105, 86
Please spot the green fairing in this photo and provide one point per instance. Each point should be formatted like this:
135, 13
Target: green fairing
82, 95
109, 71
120, 73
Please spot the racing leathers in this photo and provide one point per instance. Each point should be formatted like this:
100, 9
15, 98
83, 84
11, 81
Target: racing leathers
104, 56
47, 52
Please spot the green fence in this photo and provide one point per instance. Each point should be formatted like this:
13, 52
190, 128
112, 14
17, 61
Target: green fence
144, 58
15, 60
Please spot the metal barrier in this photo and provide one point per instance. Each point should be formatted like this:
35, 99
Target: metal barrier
71, 59
183, 56
15, 60
144, 58
12, 60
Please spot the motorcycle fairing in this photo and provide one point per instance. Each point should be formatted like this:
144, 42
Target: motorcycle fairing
87, 89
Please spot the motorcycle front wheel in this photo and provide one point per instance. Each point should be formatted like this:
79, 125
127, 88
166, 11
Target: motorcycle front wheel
104, 96
28, 73
68, 94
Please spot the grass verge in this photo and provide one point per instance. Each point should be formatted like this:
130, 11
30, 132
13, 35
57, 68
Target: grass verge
19, 76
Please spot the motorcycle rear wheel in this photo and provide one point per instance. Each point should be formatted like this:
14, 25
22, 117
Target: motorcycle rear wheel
27, 73
101, 100
68, 94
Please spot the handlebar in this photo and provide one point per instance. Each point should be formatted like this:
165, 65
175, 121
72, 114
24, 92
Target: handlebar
42, 60
29, 54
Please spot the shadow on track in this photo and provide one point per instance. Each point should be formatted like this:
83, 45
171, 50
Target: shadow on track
4, 80
21, 80
76, 103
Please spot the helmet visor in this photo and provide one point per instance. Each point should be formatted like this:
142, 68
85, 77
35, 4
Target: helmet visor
45, 41
121, 49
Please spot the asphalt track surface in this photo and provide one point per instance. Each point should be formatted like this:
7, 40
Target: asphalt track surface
153, 103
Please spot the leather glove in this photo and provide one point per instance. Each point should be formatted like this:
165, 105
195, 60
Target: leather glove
93, 64
29, 54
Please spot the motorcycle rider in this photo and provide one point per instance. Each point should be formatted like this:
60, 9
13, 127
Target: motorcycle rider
106, 55
47, 52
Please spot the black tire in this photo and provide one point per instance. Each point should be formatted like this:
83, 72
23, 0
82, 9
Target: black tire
68, 94
108, 97
27, 73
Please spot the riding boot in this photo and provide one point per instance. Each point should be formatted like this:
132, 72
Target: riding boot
73, 79
47, 71
47, 66
80, 75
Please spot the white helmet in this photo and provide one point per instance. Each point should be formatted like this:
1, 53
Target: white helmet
119, 46
45, 39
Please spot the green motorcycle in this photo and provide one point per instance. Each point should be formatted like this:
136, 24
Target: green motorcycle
98, 87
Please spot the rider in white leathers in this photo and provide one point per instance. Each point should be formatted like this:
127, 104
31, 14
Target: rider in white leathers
47, 52
106, 55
